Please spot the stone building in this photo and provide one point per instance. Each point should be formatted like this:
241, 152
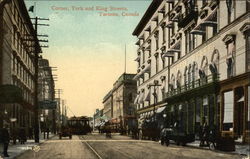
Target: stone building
46, 92
124, 93
17, 39
193, 59
108, 105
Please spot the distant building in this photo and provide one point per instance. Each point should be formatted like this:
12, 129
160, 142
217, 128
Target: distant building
194, 62
108, 105
97, 117
46, 92
120, 100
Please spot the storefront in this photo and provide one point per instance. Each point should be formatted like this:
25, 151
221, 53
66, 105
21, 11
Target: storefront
191, 106
235, 116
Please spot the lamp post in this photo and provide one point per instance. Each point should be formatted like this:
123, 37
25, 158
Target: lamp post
155, 85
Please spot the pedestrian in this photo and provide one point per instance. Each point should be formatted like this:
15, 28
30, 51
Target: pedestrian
22, 136
14, 135
30, 133
204, 133
5, 139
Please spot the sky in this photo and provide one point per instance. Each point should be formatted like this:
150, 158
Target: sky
87, 45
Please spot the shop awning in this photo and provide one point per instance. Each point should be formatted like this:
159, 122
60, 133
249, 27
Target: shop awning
161, 109
241, 99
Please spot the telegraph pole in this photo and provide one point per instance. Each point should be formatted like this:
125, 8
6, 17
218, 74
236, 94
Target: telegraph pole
36, 58
155, 95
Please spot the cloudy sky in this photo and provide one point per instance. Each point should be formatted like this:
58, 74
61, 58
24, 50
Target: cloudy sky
87, 44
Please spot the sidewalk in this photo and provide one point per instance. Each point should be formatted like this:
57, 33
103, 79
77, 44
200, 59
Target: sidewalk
18, 149
242, 149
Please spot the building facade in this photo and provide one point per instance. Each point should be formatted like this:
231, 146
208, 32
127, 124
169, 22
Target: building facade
46, 92
97, 118
124, 93
108, 105
17, 39
193, 59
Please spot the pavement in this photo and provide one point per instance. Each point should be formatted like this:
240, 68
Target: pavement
64, 148
119, 143
241, 149
18, 149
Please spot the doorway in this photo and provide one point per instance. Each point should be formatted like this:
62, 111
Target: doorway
239, 109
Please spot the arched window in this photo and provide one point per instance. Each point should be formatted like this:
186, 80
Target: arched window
190, 73
204, 65
178, 80
195, 71
172, 82
186, 76
214, 66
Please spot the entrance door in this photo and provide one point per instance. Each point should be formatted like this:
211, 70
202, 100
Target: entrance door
240, 114
239, 109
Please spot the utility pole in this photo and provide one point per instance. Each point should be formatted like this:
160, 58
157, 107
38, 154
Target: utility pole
125, 62
36, 58
59, 92
155, 95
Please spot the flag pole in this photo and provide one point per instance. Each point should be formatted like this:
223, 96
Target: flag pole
125, 60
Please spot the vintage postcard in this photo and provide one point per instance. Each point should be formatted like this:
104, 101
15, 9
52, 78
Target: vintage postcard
124, 79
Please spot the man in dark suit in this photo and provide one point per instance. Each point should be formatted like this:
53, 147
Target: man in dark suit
5, 140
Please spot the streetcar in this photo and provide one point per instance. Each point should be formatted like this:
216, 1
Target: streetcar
79, 125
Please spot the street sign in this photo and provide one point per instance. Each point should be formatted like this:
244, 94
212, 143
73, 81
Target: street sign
47, 104
10, 94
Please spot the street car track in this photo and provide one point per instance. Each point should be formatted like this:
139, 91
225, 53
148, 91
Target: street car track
91, 148
98, 155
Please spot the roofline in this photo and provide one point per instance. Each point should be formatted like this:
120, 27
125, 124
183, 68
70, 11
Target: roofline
147, 16
26, 16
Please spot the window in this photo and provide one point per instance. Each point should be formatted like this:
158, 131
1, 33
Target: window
228, 111
143, 55
157, 63
163, 32
205, 107
204, 2
190, 41
163, 62
248, 51
14, 63
198, 115
248, 110
230, 10
156, 35
230, 67
178, 81
186, 76
195, 72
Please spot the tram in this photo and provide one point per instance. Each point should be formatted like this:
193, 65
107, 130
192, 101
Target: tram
79, 125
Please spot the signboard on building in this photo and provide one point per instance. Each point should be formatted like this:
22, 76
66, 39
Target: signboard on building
10, 94
47, 104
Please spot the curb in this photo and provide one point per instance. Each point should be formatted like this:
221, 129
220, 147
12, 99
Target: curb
224, 152
40, 143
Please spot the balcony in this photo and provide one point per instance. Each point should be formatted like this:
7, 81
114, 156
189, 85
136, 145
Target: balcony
140, 73
207, 17
187, 17
196, 88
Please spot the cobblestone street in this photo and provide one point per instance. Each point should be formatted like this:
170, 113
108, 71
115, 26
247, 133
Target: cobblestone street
96, 146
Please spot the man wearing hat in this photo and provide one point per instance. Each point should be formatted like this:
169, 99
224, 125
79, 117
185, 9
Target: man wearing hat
5, 139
